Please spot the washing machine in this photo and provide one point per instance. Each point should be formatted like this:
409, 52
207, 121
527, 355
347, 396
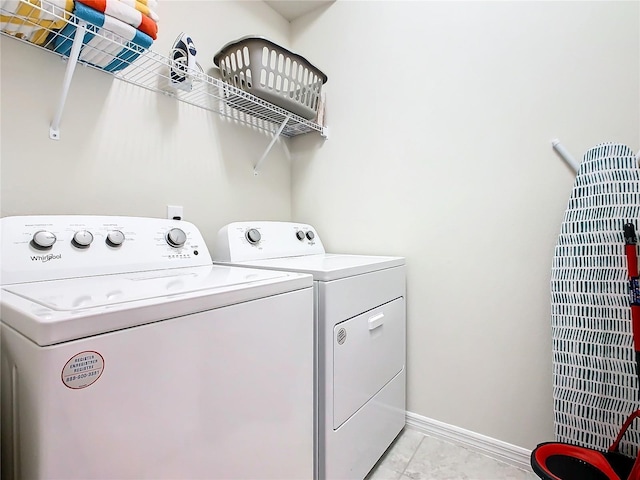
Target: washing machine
360, 348
126, 354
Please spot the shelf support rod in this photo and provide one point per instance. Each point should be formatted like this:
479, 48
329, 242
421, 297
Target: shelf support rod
270, 146
566, 156
54, 129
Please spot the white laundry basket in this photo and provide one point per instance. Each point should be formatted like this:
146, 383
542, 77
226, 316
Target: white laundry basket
273, 73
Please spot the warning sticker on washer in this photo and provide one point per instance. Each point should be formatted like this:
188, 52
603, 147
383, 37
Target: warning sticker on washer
82, 369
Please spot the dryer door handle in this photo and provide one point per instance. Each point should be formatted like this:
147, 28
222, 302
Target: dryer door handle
376, 321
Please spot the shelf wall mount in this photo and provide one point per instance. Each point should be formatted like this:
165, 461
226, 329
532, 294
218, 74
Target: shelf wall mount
271, 144
54, 129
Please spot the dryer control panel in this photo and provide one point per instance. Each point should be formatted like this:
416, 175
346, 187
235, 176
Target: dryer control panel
51, 247
257, 240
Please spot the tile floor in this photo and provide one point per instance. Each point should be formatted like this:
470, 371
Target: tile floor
414, 456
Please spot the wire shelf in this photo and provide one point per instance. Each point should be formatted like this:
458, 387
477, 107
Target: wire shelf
50, 27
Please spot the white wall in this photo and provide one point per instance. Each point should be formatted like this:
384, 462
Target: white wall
441, 116
127, 151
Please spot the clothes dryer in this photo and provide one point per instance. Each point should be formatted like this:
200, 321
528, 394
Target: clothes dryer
360, 331
126, 354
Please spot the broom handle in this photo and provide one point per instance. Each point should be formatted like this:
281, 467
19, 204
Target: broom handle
630, 241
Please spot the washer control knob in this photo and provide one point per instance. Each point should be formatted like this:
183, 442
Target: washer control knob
253, 236
176, 237
311, 235
82, 239
115, 238
43, 239
300, 235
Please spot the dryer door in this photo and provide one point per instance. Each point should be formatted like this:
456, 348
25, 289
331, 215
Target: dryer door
368, 351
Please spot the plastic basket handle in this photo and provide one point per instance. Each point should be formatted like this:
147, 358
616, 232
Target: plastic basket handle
635, 471
614, 446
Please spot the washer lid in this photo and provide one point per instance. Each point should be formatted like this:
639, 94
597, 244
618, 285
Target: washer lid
55, 311
327, 266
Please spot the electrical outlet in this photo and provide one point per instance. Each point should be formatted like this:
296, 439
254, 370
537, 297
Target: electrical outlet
175, 212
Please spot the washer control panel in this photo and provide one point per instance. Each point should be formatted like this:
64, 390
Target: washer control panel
257, 240
49, 247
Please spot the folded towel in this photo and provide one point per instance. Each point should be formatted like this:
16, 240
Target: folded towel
125, 13
33, 20
152, 4
103, 47
142, 8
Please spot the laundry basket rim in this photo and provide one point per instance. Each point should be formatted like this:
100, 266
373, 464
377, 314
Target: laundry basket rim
233, 43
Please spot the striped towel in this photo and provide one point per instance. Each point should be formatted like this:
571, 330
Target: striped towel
33, 20
125, 13
103, 47
143, 8
152, 4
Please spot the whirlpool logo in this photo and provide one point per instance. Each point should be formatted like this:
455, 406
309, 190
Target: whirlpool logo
45, 258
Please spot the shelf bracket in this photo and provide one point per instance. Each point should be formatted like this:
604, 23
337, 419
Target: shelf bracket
270, 146
54, 129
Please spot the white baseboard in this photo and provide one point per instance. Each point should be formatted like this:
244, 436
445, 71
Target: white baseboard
491, 447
